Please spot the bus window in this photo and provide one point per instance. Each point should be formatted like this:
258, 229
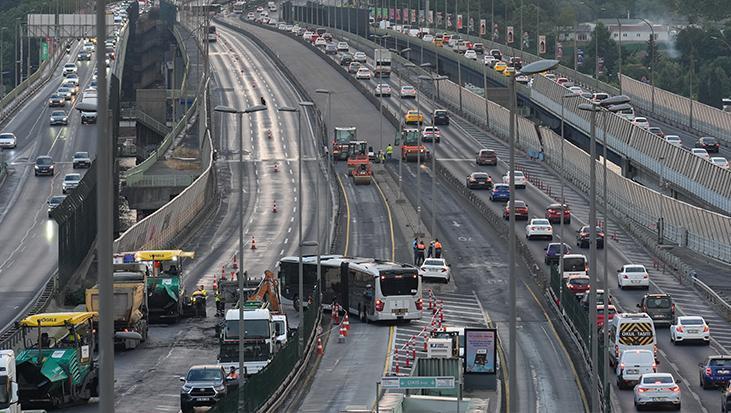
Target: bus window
405, 284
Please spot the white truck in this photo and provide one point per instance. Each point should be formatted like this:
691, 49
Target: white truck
382, 57
9, 402
259, 342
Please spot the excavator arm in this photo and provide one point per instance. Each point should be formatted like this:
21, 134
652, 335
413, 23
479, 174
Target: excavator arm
268, 289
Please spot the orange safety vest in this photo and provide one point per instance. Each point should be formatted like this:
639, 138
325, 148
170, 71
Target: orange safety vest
438, 245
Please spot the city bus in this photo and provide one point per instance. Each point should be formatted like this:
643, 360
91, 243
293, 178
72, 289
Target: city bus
371, 289
212, 36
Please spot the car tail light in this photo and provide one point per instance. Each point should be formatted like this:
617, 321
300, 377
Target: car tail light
621, 366
444, 270
709, 371
679, 329
419, 304
654, 350
532, 228
644, 276
379, 305
706, 329
626, 277
642, 390
675, 389
654, 367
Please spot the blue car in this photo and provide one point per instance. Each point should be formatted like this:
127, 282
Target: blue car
553, 252
500, 192
715, 371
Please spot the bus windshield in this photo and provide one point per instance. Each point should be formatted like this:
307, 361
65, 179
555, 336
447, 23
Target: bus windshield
399, 284
254, 329
574, 264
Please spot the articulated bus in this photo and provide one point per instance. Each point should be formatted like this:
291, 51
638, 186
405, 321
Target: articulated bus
371, 289
212, 36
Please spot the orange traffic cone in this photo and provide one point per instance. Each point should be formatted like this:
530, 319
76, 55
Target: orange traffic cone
274, 208
343, 334
215, 283
396, 361
346, 322
320, 350
253, 243
235, 265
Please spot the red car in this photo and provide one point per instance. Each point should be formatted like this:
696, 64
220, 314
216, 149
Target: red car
521, 210
553, 214
611, 311
578, 284
314, 37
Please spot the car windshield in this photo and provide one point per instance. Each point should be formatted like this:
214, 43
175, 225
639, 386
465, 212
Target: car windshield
540, 222
81, 155
520, 204
399, 284
58, 114
691, 322
708, 141
501, 188
212, 374
44, 161
574, 264
720, 362
56, 200
6, 136
479, 176
655, 302
72, 177
254, 329
634, 269
579, 281
434, 262
657, 380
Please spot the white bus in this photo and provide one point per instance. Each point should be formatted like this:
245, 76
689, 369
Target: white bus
575, 264
371, 289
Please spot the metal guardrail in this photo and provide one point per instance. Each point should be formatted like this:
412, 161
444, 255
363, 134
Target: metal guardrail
166, 180
149, 121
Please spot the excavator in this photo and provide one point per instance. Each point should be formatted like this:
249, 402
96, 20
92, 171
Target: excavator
267, 294
359, 163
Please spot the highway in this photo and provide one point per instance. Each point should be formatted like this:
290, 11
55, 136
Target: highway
30, 253
547, 386
459, 143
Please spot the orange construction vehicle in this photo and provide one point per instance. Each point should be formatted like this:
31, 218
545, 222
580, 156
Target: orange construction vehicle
267, 292
343, 137
359, 163
412, 146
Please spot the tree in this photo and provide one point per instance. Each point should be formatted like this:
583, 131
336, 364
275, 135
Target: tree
607, 50
713, 85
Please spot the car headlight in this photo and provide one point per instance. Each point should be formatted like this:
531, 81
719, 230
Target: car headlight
187, 388
220, 388
36, 167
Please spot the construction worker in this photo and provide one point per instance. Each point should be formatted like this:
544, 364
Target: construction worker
220, 304
199, 300
420, 248
232, 374
437, 248
389, 152
416, 251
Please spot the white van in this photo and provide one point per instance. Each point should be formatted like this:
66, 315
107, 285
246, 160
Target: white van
633, 364
630, 331
575, 264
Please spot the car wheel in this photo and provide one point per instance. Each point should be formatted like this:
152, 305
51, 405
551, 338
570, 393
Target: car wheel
677, 407
704, 385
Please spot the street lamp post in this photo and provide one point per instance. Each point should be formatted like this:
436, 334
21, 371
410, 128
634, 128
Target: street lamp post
242, 274
562, 179
301, 296
529, 69
661, 220
382, 41
400, 111
328, 160
433, 80
619, 46
652, 61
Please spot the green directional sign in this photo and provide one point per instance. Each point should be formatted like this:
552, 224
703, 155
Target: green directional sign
440, 382
44, 51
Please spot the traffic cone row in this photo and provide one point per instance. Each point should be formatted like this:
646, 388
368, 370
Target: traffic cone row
395, 360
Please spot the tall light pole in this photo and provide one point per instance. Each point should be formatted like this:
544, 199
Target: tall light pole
2, 60
381, 39
400, 111
104, 219
562, 179
328, 160
593, 108
539, 66
661, 219
652, 61
241, 276
302, 105
619, 47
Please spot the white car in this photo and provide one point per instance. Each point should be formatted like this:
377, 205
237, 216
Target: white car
489, 60
632, 365
539, 228
431, 134
359, 57
641, 121
307, 35
686, 328
8, 140
720, 161
70, 68
295, 29
520, 181
428, 38
701, 153
343, 47
70, 181
633, 275
522, 79
470, 54
320, 42
383, 89
576, 90
657, 388
407, 91
435, 268
674, 140
363, 73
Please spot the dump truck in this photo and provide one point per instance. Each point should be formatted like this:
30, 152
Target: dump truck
130, 304
343, 137
56, 366
166, 297
8, 383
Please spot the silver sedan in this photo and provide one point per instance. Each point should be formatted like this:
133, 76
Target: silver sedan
657, 389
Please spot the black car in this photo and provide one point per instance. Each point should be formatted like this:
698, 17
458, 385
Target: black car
346, 59
497, 54
44, 166
53, 202
56, 100
583, 237
659, 307
331, 48
204, 385
709, 143
83, 56
478, 48
479, 180
553, 252
441, 117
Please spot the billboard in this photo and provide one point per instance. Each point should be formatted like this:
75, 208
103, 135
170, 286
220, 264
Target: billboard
480, 350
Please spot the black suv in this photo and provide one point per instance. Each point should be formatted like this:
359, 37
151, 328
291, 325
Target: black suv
44, 166
204, 385
346, 59
659, 307
441, 117
709, 143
